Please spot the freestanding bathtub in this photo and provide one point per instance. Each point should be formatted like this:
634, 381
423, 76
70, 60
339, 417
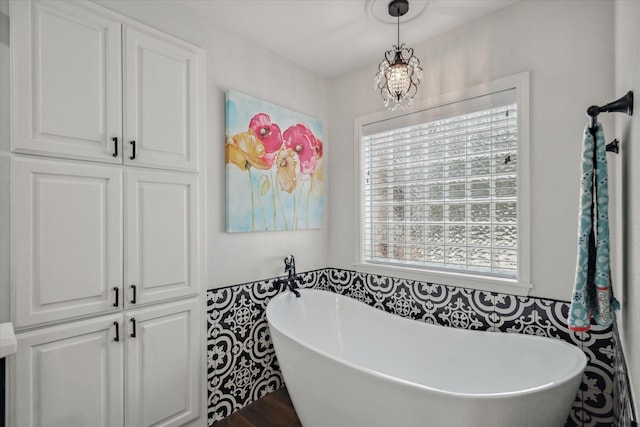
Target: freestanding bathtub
347, 364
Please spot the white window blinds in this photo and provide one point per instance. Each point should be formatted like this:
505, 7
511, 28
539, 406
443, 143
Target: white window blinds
440, 190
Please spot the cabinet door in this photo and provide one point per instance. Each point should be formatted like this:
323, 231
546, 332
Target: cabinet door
66, 80
68, 239
163, 374
162, 88
70, 375
161, 232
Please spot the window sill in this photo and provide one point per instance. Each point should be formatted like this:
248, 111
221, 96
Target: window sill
471, 281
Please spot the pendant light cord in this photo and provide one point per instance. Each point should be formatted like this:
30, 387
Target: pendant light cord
398, 12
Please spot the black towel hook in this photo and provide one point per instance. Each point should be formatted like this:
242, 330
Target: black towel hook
623, 104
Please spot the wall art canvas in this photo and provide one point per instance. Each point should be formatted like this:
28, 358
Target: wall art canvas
274, 167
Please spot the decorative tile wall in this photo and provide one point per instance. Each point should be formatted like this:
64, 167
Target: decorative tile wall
243, 367
623, 415
241, 361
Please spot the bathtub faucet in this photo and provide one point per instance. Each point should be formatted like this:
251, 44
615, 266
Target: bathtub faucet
290, 271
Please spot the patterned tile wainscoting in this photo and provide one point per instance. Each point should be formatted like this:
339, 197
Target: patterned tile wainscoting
241, 361
242, 366
623, 415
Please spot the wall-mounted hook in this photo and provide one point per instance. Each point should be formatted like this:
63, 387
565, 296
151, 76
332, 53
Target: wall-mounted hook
614, 146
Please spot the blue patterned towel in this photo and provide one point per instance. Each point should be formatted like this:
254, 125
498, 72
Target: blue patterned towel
592, 295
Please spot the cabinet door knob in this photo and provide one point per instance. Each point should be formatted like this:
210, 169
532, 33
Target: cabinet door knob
117, 338
115, 147
133, 294
133, 148
116, 290
133, 327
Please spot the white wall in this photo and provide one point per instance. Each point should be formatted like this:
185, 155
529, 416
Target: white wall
4, 162
567, 48
236, 63
627, 77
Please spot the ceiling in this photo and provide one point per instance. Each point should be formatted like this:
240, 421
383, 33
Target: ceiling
334, 36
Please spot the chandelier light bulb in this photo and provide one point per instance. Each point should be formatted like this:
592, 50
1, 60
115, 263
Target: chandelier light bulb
398, 80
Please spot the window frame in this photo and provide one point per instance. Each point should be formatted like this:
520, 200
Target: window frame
516, 286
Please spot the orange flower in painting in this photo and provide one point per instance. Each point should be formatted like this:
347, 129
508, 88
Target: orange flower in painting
287, 164
245, 150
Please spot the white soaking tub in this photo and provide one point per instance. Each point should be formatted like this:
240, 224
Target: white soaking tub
347, 364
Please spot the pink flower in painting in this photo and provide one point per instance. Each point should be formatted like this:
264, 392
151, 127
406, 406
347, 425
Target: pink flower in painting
302, 141
267, 132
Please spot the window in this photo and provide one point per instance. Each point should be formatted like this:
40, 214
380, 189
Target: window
441, 189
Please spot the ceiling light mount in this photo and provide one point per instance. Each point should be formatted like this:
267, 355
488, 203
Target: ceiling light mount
377, 11
398, 8
399, 73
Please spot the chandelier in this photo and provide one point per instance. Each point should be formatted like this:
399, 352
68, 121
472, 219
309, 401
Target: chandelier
399, 73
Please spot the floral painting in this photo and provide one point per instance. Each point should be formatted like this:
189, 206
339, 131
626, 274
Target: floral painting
274, 167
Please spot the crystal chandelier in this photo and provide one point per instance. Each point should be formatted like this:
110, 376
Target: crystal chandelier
399, 73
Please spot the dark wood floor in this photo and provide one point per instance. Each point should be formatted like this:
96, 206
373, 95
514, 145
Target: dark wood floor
272, 410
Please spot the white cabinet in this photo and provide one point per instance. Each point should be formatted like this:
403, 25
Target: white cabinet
161, 234
70, 375
107, 220
69, 80
162, 378
141, 367
66, 81
67, 221
69, 254
161, 95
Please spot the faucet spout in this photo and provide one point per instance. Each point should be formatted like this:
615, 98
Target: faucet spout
292, 286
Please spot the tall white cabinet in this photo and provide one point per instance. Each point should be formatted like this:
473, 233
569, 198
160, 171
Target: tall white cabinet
107, 219
96, 86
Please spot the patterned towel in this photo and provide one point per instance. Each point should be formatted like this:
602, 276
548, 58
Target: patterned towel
592, 295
